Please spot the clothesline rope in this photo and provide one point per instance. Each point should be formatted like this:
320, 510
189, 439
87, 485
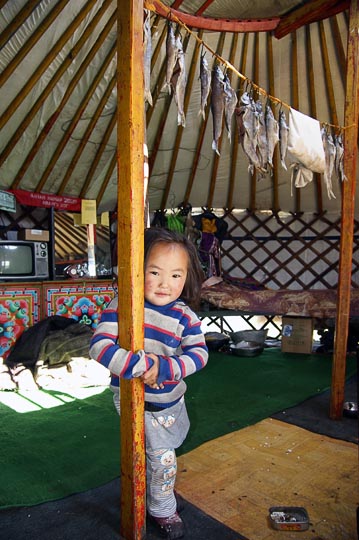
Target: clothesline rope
148, 5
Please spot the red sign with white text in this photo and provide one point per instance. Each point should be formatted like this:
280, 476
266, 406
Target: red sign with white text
46, 200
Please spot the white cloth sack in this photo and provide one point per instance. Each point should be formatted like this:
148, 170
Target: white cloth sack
305, 145
301, 176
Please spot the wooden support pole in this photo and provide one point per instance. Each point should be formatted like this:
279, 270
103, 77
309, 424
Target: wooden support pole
130, 145
347, 217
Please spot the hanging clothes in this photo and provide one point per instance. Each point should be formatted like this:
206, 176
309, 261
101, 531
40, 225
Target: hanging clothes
210, 223
213, 230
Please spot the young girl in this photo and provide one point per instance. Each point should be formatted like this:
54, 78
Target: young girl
174, 348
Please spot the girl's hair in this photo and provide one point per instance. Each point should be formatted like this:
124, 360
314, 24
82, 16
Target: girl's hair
195, 275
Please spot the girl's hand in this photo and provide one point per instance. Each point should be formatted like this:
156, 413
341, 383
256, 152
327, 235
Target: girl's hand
150, 376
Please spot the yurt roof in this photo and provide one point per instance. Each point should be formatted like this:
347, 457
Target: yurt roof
58, 103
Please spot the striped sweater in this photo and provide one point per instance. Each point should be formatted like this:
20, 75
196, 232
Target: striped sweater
172, 332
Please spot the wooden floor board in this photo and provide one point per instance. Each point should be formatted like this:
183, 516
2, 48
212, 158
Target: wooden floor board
238, 477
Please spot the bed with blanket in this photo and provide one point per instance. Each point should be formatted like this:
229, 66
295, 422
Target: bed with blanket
225, 294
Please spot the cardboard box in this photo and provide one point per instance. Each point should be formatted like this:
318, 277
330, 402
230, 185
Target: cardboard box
37, 235
297, 334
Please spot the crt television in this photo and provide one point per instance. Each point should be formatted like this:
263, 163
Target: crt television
23, 260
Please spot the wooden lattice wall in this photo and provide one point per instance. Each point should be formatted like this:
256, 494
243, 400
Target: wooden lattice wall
291, 251
26, 217
68, 242
284, 251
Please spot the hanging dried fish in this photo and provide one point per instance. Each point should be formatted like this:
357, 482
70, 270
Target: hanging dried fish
339, 158
171, 54
283, 138
272, 130
147, 45
230, 102
329, 151
248, 125
205, 77
217, 105
262, 143
179, 81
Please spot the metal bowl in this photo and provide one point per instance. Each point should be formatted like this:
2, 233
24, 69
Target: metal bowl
216, 340
246, 348
350, 409
257, 336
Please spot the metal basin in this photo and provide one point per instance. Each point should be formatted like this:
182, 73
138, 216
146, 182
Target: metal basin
350, 409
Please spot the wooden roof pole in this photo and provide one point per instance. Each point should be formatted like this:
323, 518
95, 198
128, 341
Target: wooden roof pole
161, 76
295, 100
216, 157
107, 179
313, 110
179, 133
235, 145
347, 218
49, 87
313, 11
162, 123
202, 130
254, 176
86, 136
338, 47
274, 172
328, 77
130, 229
17, 21
96, 160
33, 39
76, 119
199, 11
176, 149
42, 67
212, 24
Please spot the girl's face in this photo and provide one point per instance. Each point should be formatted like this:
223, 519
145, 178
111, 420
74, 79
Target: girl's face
165, 273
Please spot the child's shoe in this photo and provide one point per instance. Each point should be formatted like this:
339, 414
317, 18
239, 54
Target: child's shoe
170, 527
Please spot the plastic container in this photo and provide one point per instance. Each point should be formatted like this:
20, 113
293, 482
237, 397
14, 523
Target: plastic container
289, 518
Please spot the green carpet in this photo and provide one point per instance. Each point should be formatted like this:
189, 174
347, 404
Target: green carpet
53, 452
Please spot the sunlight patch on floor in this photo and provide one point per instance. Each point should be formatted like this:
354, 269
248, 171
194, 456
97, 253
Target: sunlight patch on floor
36, 400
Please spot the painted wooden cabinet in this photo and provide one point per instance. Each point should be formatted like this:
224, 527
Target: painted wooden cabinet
81, 300
20, 308
24, 304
